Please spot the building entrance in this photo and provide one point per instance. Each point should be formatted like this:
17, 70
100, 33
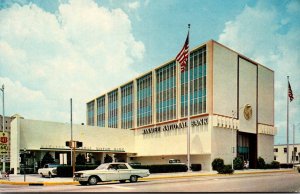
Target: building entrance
246, 148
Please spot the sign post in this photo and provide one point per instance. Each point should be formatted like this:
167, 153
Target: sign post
4, 137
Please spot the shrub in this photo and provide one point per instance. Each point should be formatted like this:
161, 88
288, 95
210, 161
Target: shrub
80, 159
238, 163
286, 165
227, 169
67, 170
163, 168
261, 163
268, 166
275, 164
217, 163
196, 167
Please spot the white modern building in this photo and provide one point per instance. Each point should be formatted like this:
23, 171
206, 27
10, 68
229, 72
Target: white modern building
280, 153
145, 119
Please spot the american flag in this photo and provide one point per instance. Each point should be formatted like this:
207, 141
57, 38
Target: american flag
183, 55
290, 94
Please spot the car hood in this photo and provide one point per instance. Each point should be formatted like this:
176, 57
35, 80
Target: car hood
91, 171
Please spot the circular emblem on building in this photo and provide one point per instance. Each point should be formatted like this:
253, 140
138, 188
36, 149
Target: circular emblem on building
247, 112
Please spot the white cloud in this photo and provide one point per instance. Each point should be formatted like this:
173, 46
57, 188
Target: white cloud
265, 35
79, 52
134, 5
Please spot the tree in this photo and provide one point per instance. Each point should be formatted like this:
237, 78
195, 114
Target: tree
108, 159
47, 159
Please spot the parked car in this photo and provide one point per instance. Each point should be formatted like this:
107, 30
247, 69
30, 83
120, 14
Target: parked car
48, 170
118, 171
174, 161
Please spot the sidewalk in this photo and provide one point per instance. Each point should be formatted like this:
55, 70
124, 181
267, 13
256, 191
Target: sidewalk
35, 179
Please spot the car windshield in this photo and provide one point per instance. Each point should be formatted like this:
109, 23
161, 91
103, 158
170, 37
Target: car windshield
52, 165
102, 166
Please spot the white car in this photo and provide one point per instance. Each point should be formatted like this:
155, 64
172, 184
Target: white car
48, 170
110, 172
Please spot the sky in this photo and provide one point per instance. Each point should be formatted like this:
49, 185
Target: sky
54, 50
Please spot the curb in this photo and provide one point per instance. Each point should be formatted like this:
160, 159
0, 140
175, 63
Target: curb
145, 179
195, 175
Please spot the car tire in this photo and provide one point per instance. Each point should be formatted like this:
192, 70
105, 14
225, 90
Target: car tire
93, 180
133, 179
83, 182
50, 175
122, 181
42, 175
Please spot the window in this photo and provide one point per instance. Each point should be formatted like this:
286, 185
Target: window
144, 100
122, 166
274, 157
127, 106
113, 109
295, 149
275, 149
284, 150
297, 158
101, 111
90, 110
197, 84
166, 93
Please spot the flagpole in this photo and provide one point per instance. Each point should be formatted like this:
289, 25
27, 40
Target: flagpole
189, 124
287, 123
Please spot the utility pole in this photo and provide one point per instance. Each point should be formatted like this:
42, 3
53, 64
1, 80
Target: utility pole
72, 142
3, 125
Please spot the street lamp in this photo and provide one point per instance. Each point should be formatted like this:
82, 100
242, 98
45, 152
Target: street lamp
247, 106
3, 125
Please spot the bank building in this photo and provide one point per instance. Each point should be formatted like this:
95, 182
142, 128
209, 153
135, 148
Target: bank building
145, 119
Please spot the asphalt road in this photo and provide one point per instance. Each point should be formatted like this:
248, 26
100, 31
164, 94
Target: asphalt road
270, 182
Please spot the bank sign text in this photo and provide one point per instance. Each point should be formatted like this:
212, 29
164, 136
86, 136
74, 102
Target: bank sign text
199, 122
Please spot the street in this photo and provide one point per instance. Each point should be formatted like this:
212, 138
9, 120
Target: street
270, 182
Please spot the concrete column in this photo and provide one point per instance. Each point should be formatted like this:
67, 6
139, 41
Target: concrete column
15, 144
209, 77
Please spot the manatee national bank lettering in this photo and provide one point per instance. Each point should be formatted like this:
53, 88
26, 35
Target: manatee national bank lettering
199, 122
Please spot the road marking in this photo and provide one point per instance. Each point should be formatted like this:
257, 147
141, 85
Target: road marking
119, 187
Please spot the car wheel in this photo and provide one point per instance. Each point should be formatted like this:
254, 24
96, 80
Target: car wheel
133, 179
122, 181
93, 180
42, 174
83, 182
50, 175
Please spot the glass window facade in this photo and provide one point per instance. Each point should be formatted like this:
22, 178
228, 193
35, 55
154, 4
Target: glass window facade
101, 111
113, 109
166, 93
127, 106
144, 100
90, 112
197, 84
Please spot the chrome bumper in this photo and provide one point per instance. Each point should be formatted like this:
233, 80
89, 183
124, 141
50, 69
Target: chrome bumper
81, 178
